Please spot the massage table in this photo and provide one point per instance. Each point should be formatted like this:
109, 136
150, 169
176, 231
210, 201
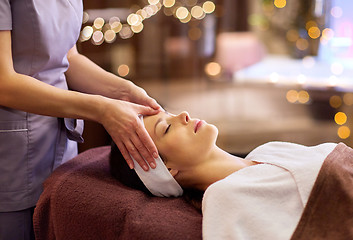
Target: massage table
81, 200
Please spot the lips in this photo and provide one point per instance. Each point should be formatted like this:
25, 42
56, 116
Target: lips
198, 124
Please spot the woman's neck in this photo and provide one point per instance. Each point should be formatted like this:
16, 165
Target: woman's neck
218, 165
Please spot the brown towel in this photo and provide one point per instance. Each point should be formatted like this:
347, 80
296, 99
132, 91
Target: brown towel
329, 211
82, 201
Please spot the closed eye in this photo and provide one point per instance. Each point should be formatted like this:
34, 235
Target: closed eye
166, 131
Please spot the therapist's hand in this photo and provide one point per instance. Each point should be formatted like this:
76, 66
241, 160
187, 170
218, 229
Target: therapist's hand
121, 120
138, 95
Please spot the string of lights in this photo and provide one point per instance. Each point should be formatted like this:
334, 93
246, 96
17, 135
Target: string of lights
101, 31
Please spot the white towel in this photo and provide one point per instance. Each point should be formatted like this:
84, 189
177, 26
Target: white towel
263, 201
158, 181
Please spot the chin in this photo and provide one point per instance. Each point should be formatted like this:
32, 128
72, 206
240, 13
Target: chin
214, 129
212, 132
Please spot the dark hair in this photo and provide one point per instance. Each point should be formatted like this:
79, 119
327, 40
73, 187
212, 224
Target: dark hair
121, 171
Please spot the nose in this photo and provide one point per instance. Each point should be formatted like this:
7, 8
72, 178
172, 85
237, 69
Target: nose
184, 117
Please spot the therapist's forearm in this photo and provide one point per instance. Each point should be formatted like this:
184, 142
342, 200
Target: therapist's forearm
28, 94
85, 76
25, 93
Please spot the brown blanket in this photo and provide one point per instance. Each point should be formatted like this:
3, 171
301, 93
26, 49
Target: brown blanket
82, 201
329, 211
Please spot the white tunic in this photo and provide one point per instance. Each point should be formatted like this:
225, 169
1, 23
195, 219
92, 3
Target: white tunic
264, 201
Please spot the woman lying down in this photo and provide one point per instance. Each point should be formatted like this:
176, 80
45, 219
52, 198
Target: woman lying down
278, 191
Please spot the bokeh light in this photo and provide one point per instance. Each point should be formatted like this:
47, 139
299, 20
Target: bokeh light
182, 12
302, 44
197, 12
332, 81
137, 28
97, 38
343, 132
168, 3
134, 19
187, 19
274, 77
280, 3
191, 2
348, 99
86, 33
335, 101
153, 2
327, 34
340, 118
109, 36
310, 24
98, 23
301, 79
85, 17
142, 13
292, 35
114, 20
336, 12
106, 27
208, 7
303, 96
314, 32
123, 70
126, 32
116, 26
195, 33
292, 96
168, 11
213, 69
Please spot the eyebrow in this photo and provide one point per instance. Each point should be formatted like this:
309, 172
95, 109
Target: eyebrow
158, 121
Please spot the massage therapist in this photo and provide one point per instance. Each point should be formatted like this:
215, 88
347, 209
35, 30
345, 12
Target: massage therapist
39, 62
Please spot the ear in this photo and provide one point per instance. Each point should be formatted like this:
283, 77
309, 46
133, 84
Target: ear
173, 172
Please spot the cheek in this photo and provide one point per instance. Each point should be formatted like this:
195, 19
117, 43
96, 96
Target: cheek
175, 146
177, 143
181, 146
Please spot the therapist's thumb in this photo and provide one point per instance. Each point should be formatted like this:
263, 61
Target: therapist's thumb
148, 110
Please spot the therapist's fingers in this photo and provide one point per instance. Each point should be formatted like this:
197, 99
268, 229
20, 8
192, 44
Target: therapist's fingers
124, 125
154, 104
138, 95
143, 134
147, 143
125, 153
135, 153
145, 111
141, 146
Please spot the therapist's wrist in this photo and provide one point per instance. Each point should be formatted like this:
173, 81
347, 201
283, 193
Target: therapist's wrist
92, 107
100, 108
121, 88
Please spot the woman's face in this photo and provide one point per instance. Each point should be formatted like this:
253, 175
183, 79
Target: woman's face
181, 140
